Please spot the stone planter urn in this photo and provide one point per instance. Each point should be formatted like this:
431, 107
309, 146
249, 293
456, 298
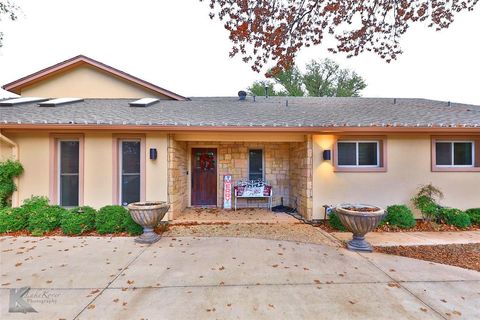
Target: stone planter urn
148, 215
359, 219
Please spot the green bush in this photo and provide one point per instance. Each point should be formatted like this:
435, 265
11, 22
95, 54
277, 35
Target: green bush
13, 219
111, 219
426, 200
8, 170
34, 203
45, 219
454, 217
474, 215
400, 216
334, 222
78, 220
132, 227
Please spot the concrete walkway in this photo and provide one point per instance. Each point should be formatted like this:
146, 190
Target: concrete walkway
226, 278
387, 239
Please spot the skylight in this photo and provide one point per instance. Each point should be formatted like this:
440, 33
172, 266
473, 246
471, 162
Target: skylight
23, 100
143, 102
59, 101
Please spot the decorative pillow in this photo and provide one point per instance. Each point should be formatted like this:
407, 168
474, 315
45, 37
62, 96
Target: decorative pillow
267, 191
239, 190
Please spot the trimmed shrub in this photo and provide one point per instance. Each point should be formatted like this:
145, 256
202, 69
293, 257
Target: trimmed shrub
426, 200
400, 216
334, 222
455, 217
34, 203
78, 220
13, 219
111, 219
131, 226
474, 215
45, 219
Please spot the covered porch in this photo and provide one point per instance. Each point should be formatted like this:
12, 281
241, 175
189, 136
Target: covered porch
198, 163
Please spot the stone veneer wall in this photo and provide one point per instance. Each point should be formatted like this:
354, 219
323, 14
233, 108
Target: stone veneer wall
301, 177
233, 159
177, 176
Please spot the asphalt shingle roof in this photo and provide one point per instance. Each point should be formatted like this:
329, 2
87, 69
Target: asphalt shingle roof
263, 112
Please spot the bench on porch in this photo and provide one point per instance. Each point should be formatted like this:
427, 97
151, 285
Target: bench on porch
249, 189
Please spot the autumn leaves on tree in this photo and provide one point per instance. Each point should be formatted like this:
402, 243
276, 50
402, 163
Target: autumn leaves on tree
275, 30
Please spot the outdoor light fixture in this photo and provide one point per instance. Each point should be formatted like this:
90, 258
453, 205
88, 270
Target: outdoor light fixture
153, 154
327, 154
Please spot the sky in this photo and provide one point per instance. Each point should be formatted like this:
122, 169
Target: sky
175, 45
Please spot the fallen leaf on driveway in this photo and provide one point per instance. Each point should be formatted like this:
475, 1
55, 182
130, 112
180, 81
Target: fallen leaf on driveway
424, 309
18, 264
393, 285
271, 306
458, 313
92, 306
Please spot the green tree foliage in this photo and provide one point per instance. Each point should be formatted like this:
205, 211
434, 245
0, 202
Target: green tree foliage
8, 170
426, 200
324, 78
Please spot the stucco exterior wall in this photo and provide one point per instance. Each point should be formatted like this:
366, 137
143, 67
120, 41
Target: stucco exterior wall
35, 157
87, 82
5, 151
408, 166
35, 152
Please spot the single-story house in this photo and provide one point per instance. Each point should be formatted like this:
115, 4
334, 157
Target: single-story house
121, 139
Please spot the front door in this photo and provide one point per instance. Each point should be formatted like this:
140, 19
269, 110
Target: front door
204, 177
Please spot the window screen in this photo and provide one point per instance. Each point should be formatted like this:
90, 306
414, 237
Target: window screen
454, 153
358, 154
69, 173
130, 171
255, 169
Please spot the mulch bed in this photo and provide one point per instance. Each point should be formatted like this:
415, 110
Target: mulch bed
421, 226
460, 255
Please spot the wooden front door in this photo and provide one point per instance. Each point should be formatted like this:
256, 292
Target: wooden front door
204, 177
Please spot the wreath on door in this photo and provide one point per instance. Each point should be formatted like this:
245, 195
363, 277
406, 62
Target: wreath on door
207, 161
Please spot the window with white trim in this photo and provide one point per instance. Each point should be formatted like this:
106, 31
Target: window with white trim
68, 172
130, 171
455, 153
358, 154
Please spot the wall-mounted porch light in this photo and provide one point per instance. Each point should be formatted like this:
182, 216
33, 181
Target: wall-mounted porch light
327, 155
153, 154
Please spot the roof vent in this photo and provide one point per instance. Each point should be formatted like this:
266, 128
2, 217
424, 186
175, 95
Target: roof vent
144, 102
19, 101
242, 95
59, 101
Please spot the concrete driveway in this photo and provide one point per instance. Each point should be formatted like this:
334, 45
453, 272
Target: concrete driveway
224, 278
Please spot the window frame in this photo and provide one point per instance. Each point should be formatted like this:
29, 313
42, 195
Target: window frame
263, 162
473, 139
117, 165
54, 188
381, 142
59, 171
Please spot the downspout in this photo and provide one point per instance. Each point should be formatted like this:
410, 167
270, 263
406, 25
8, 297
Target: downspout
14, 146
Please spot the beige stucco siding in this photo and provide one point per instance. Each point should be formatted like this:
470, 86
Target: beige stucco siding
35, 152
98, 169
34, 156
156, 170
408, 166
87, 82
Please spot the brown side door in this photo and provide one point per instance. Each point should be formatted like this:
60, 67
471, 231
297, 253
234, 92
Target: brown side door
204, 177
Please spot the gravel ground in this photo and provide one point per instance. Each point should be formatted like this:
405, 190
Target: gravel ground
299, 232
460, 255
